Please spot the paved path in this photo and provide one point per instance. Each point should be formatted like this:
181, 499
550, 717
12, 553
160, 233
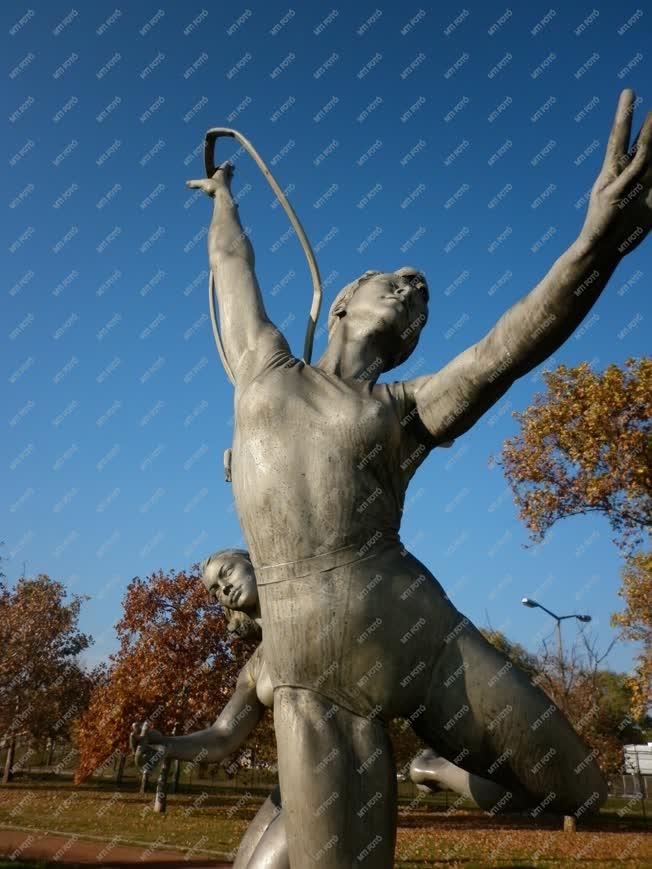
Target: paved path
35, 845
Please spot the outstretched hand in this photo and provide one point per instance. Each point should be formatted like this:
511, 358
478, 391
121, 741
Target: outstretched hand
148, 745
620, 208
220, 180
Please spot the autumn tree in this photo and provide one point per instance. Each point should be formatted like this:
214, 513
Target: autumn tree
596, 701
585, 446
44, 688
635, 622
176, 668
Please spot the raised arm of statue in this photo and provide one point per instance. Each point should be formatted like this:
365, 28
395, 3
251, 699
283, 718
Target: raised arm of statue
247, 333
619, 217
236, 721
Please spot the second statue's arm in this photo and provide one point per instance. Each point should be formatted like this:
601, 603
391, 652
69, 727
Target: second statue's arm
619, 217
234, 724
247, 333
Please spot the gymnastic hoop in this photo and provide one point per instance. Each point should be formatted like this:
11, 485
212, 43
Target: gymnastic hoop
209, 161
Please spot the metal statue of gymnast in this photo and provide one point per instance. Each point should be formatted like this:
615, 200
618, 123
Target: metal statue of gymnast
357, 630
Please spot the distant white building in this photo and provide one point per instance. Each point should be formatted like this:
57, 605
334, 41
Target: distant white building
638, 759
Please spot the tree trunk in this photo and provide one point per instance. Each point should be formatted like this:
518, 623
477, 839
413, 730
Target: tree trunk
174, 786
121, 768
143, 781
161, 798
9, 761
48, 760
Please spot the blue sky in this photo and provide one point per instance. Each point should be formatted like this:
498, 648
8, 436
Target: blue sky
461, 142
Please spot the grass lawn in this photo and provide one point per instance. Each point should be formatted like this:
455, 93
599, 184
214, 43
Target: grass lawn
428, 835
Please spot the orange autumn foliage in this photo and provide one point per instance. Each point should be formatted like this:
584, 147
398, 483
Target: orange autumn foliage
43, 687
635, 623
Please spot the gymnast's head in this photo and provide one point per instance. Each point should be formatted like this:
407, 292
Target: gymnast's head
388, 308
228, 577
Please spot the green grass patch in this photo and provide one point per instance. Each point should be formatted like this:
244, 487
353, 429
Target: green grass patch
428, 835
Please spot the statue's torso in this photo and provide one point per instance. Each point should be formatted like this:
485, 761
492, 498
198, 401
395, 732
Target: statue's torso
320, 470
318, 462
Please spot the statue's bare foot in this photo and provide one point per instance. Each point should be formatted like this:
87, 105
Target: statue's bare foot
426, 769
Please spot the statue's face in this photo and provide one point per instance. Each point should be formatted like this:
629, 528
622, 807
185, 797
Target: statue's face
231, 581
391, 304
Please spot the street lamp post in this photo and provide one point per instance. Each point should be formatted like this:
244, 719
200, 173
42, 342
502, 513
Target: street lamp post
570, 823
527, 601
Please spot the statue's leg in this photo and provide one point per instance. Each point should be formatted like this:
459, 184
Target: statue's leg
267, 813
338, 780
272, 849
431, 770
483, 714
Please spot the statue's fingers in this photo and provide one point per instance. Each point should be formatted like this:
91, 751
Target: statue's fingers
225, 170
634, 147
643, 144
641, 160
195, 184
618, 143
